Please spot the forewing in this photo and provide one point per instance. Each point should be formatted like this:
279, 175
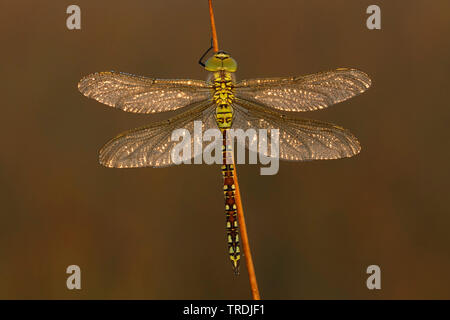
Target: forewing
300, 139
305, 93
140, 94
151, 146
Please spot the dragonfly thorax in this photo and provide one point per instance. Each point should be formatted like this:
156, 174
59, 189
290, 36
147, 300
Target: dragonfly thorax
223, 96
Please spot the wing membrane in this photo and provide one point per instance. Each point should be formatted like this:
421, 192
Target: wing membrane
300, 139
305, 93
140, 94
151, 146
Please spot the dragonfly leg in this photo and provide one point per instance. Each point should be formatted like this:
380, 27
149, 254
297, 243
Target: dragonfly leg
200, 61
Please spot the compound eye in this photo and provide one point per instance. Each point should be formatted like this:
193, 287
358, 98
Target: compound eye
229, 64
213, 64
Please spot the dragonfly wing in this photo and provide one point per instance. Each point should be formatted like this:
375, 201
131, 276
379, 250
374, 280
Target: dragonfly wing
300, 139
140, 94
152, 146
305, 93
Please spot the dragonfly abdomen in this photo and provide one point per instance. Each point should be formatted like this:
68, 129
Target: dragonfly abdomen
229, 188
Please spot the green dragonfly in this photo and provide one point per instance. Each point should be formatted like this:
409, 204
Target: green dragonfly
224, 103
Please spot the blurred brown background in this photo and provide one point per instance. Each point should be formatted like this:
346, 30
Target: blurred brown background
159, 233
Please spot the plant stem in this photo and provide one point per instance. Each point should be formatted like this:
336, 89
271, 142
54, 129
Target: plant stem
244, 239
213, 27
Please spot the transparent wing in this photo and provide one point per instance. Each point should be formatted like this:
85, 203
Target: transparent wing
151, 146
140, 94
300, 139
306, 93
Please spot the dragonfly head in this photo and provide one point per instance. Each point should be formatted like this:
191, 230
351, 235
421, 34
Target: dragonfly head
221, 61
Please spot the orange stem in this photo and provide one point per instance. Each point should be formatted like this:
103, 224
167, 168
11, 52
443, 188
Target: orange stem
213, 27
244, 238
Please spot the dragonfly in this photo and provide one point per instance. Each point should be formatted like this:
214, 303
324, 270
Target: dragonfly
223, 102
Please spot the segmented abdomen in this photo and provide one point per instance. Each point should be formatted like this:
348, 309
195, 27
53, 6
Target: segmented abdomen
232, 226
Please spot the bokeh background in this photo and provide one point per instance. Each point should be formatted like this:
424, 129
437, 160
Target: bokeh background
159, 233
